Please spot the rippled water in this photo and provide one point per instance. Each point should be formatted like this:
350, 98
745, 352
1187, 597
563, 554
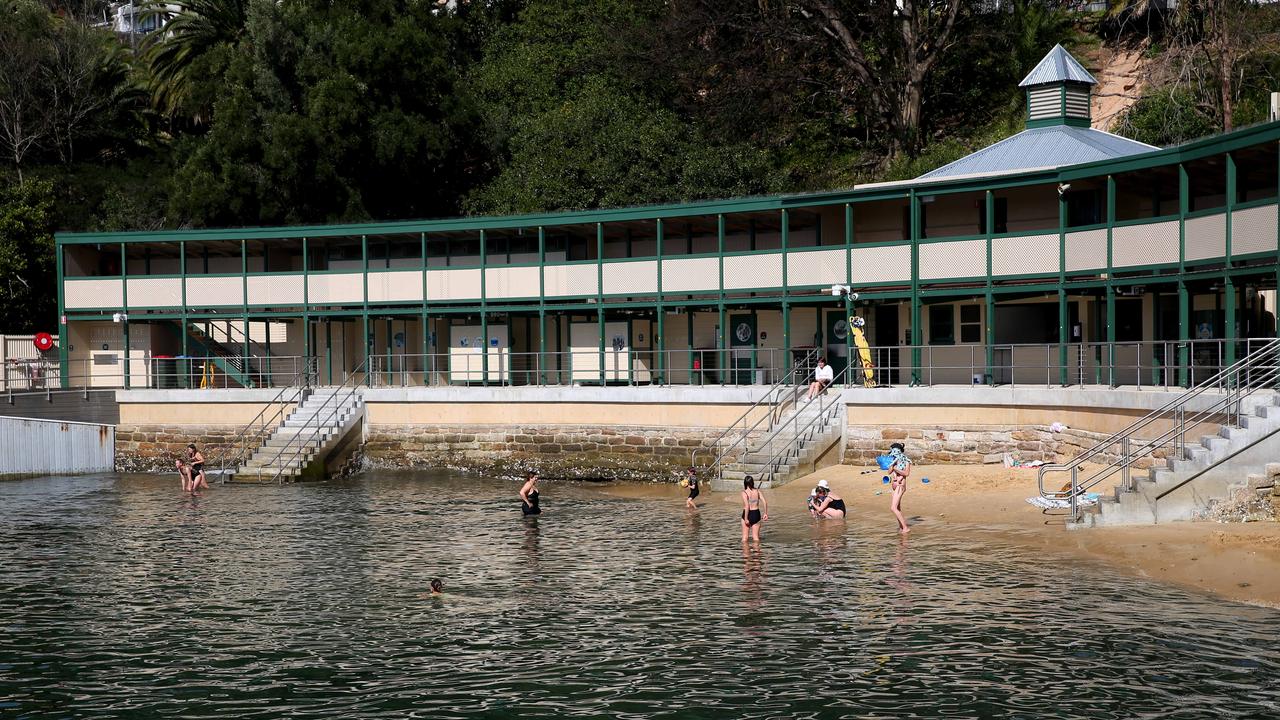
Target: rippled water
121, 598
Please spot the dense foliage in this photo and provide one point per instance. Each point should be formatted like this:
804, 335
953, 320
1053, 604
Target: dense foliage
248, 112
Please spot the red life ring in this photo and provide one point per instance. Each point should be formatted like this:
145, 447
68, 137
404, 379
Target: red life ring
43, 341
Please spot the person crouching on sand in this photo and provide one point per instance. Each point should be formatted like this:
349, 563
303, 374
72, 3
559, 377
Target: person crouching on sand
829, 505
898, 473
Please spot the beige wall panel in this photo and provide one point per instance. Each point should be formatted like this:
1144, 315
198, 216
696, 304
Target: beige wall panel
214, 413
214, 291
890, 263
1024, 255
1207, 237
655, 415
960, 259
877, 222
1086, 250
275, 290
571, 279
93, 293
753, 271
690, 275
395, 286
631, 278
462, 284
511, 282
155, 292
1146, 244
1031, 209
335, 289
819, 267
1252, 231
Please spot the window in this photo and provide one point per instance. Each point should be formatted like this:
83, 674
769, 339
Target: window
970, 323
942, 325
1084, 207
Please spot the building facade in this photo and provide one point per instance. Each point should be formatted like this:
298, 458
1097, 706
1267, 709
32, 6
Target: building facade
1060, 255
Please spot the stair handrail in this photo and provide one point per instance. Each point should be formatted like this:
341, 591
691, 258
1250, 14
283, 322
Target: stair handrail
354, 387
296, 388
231, 355
779, 388
1228, 378
837, 398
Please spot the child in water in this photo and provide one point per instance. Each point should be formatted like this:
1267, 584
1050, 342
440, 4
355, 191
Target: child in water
691, 482
898, 473
437, 586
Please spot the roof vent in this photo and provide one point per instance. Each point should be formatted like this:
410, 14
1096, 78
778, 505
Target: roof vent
1058, 91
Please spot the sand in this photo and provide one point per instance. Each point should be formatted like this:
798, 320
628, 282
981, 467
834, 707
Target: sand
1239, 561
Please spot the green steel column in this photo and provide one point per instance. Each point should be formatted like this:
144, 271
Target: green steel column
1184, 333
848, 279
308, 341
1231, 201
722, 337
917, 328
64, 372
328, 351
365, 339
484, 311
786, 228
660, 342
689, 339
182, 272
1111, 290
426, 317
542, 303
600, 295
786, 333
124, 309
1229, 311
989, 229
244, 299
1063, 316
1184, 297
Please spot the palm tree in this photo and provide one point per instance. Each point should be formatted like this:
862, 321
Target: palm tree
195, 28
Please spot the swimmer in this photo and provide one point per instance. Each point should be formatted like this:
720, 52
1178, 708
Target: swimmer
197, 468
184, 473
898, 473
529, 495
755, 509
829, 504
437, 587
691, 481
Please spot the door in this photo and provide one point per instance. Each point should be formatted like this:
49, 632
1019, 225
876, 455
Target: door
742, 342
837, 345
885, 352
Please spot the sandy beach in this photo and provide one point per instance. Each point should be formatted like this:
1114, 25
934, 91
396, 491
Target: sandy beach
1239, 561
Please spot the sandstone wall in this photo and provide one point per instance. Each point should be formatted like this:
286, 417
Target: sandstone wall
153, 448
655, 454
972, 445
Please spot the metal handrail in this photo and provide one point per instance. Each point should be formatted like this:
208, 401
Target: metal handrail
786, 383
320, 425
1229, 379
297, 392
774, 459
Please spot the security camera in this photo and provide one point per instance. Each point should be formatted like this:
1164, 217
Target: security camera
1063, 188
843, 290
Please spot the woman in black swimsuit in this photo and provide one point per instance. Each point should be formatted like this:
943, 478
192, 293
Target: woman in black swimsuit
829, 505
529, 495
691, 481
197, 468
755, 509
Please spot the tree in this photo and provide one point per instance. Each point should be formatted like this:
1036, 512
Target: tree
27, 270
89, 85
24, 113
179, 57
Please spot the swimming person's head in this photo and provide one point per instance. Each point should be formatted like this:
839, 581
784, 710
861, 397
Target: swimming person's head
531, 477
437, 586
748, 483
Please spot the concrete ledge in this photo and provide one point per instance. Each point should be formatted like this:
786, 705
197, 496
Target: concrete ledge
1101, 398
197, 397
647, 395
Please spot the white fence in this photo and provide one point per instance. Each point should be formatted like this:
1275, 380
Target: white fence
55, 447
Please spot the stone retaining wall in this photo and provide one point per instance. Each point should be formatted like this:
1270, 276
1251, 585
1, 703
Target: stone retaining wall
560, 451
972, 445
153, 448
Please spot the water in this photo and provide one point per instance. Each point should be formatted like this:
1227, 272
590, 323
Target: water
120, 598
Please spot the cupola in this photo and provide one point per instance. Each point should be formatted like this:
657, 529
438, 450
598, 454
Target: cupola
1058, 91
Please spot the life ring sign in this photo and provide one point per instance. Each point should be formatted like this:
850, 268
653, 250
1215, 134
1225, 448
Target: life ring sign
43, 341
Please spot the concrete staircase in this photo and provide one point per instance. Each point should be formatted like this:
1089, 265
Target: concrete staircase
323, 428
1213, 471
803, 440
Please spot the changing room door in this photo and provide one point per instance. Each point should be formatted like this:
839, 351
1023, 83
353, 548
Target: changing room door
837, 345
742, 342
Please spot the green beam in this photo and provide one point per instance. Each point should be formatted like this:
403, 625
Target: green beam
600, 295
989, 203
1184, 298
484, 312
124, 308
917, 328
660, 342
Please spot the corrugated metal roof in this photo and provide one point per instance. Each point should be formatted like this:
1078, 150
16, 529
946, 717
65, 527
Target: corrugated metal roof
1053, 146
1056, 67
